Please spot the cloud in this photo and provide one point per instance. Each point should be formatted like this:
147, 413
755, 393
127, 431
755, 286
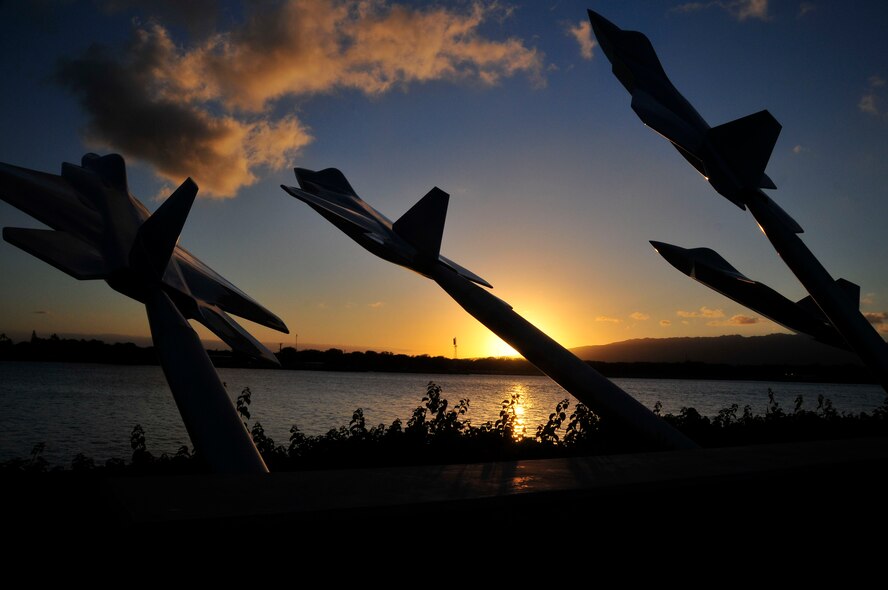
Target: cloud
868, 299
665, 323
703, 312
744, 9
134, 107
798, 149
604, 318
737, 320
691, 6
739, 9
879, 319
871, 101
868, 104
805, 8
40, 312
163, 193
376, 304
211, 108
582, 32
876, 318
639, 316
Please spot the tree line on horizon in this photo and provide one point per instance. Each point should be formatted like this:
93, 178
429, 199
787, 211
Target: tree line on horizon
56, 349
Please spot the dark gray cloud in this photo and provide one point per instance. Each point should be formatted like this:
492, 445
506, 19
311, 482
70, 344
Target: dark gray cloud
133, 109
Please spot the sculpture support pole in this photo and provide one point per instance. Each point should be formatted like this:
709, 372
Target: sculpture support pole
574, 375
844, 315
210, 418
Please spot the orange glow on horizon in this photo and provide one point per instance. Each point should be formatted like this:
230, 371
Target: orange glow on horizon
496, 347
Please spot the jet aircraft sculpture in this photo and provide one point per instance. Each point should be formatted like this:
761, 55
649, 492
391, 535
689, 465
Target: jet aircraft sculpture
708, 267
414, 241
100, 231
732, 157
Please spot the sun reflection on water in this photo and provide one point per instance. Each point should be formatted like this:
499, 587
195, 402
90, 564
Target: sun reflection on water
519, 404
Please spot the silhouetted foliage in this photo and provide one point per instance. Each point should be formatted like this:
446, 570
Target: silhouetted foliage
548, 433
438, 432
243, 405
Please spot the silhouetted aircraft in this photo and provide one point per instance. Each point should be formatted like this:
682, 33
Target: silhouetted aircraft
100, 231
413, 241
732, 156
708, 267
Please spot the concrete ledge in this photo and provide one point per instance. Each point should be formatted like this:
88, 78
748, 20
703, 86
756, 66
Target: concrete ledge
828, 491
852, 473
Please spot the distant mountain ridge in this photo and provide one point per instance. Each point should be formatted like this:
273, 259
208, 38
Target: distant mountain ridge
773, 349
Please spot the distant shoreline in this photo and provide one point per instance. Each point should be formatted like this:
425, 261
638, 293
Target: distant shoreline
55, 349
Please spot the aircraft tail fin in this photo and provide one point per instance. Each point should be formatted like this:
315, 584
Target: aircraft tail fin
159, 234
746, 143
61, 250
423, 225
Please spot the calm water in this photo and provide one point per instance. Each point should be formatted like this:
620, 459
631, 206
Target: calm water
92, 408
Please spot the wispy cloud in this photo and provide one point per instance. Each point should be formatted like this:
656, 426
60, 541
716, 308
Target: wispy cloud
798, 149
703, 312
41, 312
376, 304
665, 323
871, 101
805, 8
739, 9
210, 108
868, 298
604, 318
639, 316
582, 32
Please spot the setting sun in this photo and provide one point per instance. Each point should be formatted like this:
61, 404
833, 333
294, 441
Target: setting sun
497, 348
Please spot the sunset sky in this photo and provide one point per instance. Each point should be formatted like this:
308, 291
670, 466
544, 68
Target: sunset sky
556, 186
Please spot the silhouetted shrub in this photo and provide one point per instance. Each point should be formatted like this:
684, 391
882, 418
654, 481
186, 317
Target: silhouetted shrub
438, 432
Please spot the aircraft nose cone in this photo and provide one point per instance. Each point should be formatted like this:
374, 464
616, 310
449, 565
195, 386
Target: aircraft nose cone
603, 28
675, 255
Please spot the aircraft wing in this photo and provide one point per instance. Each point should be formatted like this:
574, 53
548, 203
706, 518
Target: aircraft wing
358, 221
208, 286
656, 116
464, 272
50, 199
